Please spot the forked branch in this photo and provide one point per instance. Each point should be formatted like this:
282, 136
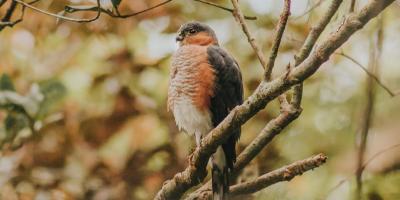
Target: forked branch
266, 92
285, 173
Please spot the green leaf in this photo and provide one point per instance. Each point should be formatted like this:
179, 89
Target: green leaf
54, 91
6, 83
13, 123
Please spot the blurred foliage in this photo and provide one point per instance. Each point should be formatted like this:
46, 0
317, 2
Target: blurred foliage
90, 118
24, 113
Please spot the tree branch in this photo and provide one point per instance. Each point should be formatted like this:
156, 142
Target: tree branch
237, 13
9, 12
142, 11
367, 113
309, 44
72, 9
99, 10
224, 8
280, 28
366, 163
372, 75
310, 9
267, 91
289, 112
285, 173
6, 21
273, 128
60, 16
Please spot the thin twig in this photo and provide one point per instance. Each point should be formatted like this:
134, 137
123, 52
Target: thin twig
145, 10
316, 5
60, 16
309, 44
373, 157
369, 161
9, 12
372, 75
6, 21
225, 8
368, 109
280, 28
72, 9
237, 13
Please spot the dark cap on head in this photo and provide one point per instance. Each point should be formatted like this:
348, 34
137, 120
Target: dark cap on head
192, 28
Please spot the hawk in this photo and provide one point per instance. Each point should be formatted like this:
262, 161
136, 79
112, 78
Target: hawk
205, 85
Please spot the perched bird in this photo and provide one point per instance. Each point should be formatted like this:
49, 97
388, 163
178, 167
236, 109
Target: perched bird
205, 85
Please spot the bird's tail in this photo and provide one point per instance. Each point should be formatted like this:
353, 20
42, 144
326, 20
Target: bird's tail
220, 175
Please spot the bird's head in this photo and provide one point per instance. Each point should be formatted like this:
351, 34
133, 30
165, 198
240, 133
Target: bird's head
196, 33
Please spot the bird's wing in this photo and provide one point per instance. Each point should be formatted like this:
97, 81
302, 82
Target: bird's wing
228, 93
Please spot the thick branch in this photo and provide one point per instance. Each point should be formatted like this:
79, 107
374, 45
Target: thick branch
289, 112
285, 173
267, 91
267, 134
273, 128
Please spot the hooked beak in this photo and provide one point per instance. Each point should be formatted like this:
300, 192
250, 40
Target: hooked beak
179, 38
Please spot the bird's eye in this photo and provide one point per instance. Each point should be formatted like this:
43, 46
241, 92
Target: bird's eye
192, 31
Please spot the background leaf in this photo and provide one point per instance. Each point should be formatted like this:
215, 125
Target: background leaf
53, 91
6, 83
14, 122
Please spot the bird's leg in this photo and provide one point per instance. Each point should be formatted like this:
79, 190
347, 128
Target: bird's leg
198, 136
